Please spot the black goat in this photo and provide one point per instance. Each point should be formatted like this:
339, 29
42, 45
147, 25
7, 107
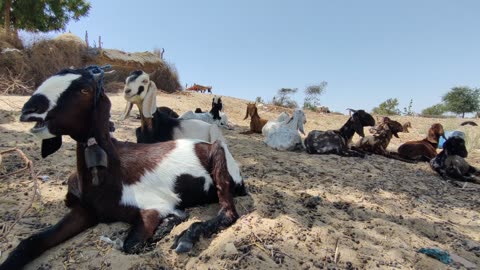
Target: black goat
450, 163
338, 141
112, 183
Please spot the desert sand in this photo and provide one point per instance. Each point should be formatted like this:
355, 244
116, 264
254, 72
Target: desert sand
303, 211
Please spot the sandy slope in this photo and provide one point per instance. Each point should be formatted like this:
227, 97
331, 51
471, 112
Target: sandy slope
380, 211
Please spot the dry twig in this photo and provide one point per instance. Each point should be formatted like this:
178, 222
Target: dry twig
36, 190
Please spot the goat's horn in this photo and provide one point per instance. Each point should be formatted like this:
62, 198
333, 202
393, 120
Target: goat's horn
352, 110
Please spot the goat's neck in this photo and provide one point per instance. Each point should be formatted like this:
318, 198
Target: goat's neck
347, 131
111, 174
145, 123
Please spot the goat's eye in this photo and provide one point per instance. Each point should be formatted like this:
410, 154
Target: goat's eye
84, 91
145, 81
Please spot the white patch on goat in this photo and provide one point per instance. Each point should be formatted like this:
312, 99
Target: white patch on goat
53, 87
133, 96
193, 129
155, 190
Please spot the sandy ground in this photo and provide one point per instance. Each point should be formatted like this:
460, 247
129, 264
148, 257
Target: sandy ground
379, 211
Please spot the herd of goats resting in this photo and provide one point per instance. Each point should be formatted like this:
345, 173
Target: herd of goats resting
180, 161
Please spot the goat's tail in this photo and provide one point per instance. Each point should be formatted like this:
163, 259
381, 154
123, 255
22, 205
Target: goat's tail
216, 134
222, 161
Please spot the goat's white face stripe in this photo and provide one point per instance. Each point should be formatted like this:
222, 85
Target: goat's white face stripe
54, 86
155, 190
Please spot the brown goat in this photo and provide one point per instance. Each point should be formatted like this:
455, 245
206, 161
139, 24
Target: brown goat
256, 123
423, 150
378, 143
406, 126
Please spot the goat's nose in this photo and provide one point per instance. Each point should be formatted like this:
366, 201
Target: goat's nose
127, 91
29, 110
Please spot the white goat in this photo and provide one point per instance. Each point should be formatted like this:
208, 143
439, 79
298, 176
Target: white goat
214, 116
284, 135
156, 126
273, 124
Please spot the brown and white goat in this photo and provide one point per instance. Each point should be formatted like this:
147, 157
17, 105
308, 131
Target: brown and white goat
143, 192
256, 123
378, 142
423, 150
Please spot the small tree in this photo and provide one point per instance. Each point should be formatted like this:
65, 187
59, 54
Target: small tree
259, 100
435, 110
388, 107
41, 15
283, 98
408, 110
312, 95
461, 100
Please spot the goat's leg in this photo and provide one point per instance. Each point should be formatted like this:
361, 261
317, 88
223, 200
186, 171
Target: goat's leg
227, 215
167, 226
141, 231
75, 222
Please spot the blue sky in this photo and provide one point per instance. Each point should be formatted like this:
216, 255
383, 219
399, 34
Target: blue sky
367, 51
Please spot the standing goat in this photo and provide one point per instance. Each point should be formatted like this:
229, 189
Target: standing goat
338, 141
215, 116
450, 163
285, 135
155, 125
256, 123
112, 183
423, 150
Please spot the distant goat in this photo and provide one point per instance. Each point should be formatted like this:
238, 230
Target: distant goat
450, 163
157, 126
215, 116
142, 185
256, 123
339, 141
406, 126
423, 150
285, 135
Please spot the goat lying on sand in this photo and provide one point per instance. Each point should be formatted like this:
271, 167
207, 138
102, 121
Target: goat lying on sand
120, 186
378, 143
450, 163
215, 116
274, 124
285, 136
157, 126
423, 150
339, 141
256, 123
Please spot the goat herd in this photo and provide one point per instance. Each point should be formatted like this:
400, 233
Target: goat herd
179, 162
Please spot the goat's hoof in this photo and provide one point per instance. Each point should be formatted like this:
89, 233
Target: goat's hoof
133, 249
183, 247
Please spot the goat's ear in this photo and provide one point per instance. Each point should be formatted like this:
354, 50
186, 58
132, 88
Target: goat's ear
431, 137
149, 105
50, 146
300, 126
395, 134
357, 125
126, 113
246, 114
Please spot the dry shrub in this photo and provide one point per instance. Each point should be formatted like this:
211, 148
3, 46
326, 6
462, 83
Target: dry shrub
47, 57
166, 78
9, 41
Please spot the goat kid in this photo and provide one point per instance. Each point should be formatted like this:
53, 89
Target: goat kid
143, 192
423, 150
378, 143
450, 162
339, 141
157, 126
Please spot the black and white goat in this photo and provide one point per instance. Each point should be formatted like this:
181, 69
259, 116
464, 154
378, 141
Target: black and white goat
214, 116
450, 162
120, 186
157, 126
339, 141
